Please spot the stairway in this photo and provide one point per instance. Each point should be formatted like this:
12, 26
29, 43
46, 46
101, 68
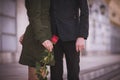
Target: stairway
104, 72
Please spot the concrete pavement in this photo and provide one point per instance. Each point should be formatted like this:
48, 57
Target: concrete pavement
16, 71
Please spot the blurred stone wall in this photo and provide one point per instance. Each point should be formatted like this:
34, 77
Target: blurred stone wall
103, 35
13, 21
8, 30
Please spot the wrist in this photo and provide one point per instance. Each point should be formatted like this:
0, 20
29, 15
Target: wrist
81, 38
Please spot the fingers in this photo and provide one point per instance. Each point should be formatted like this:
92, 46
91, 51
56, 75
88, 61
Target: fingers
80, 44
48, 45
21, 39
79, 48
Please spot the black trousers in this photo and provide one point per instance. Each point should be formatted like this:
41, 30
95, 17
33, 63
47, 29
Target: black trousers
72, 61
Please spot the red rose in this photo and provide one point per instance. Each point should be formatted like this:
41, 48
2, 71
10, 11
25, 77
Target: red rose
54, 39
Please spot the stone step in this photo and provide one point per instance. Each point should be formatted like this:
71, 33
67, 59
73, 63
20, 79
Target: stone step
104, 72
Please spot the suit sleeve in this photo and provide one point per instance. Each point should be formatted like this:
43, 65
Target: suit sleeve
83, 19
38, 13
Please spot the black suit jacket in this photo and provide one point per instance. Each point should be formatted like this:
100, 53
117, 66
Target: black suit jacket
66, 21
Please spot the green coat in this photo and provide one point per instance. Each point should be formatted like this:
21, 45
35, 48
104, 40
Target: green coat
37, 31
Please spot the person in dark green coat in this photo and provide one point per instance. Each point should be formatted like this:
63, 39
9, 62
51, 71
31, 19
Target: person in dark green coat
37, 35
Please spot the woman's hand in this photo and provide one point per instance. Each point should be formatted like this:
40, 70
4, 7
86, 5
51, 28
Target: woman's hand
21, 39
48, 45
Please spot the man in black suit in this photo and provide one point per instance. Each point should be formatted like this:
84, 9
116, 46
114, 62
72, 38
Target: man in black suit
72, 30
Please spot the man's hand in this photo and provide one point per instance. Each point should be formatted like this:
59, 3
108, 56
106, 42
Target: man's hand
48, 45
80, 44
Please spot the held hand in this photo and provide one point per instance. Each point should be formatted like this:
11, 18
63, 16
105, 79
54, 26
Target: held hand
21, 39
80, 44
48, 45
